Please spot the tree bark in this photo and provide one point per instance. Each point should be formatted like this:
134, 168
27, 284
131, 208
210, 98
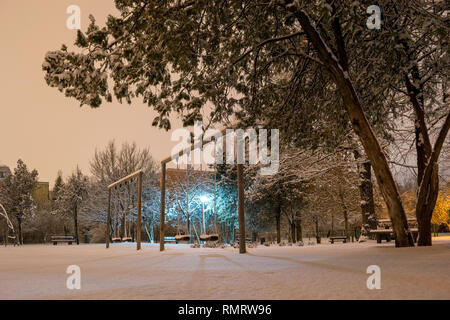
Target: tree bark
19, 224
347, 231
332, 225
162, 220
293, 231
427, 162
369, 220
362, 128
316, 221
254, 235
299, 228
278, 222
75, 223
241, 207
344, 212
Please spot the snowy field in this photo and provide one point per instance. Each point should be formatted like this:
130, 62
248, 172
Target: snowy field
326, 271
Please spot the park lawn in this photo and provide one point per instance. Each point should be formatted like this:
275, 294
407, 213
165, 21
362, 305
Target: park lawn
323, 271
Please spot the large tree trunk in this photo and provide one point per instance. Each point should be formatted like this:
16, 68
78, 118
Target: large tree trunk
345, 213
361, 127
75, 223
298, 227
278, 222
254, 235
19, 224
292, 223
316, 221
369, 220
332, 225
241, 207
427, 162
347, 231
425, 206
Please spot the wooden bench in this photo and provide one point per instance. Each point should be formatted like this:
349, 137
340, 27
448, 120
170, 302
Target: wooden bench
382, 234
384, 229
247, 240
68, 239
343, 238
387, 234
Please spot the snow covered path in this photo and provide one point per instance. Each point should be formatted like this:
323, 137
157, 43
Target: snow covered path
312, 272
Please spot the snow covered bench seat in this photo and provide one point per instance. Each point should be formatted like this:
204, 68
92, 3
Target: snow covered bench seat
334, 238
388, 234
68, 239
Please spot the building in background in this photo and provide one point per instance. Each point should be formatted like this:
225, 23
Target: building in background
4, 172
41, 194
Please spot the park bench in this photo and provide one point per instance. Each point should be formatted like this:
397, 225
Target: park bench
334, 238
169, 240
384, 230
68, 239
247, 240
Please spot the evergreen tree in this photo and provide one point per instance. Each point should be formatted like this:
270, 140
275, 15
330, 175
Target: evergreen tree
16, 194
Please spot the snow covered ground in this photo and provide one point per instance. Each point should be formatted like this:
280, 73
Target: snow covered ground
325, 271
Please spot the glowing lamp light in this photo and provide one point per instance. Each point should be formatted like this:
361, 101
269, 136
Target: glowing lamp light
204, 199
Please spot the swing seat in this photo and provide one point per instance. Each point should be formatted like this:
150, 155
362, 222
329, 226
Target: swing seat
116, 239
127, 239
184, 238
209, 237
214, 237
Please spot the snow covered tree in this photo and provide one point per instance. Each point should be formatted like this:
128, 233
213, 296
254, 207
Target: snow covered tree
15, 195
58, 186
111, 164
369, 220
248, 57
71, 196
187, 187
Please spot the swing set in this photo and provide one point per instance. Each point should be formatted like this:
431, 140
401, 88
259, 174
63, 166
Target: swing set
113, 189
121, 202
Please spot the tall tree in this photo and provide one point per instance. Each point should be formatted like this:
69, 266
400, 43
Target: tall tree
71, 197
111, 164
246, 58
16, 194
